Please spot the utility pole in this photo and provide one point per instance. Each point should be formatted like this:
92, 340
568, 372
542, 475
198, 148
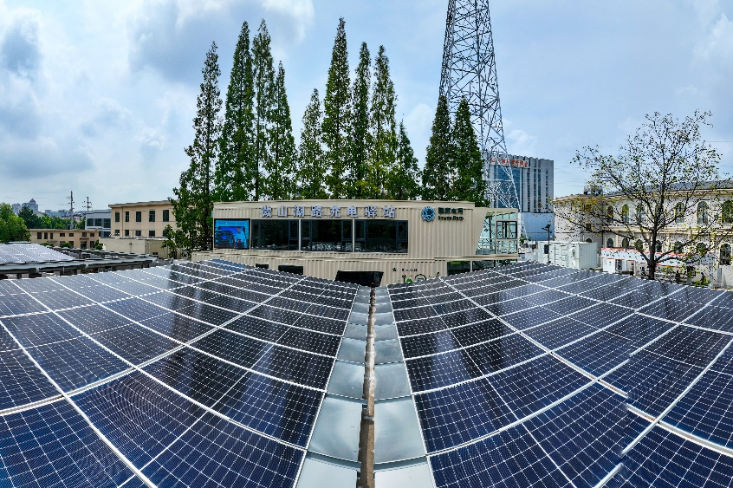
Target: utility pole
71, 210
87, 207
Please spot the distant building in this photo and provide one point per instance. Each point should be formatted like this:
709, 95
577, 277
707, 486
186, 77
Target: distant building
99, 220
17, 207
535, 180
139, 227
77, 238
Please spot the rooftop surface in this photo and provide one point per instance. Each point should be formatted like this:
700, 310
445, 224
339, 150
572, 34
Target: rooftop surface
217, 374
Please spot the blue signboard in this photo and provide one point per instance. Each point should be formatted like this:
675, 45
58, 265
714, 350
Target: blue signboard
231, 234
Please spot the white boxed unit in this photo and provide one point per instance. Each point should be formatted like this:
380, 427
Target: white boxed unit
576, 255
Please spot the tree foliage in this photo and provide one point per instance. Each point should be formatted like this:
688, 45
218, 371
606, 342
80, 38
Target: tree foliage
33, 221
466, 162
264, 88
311, 172
12, 227
194, 200
666, 171
383, 127
280, 164
336, 108
359, 141
437, 176
402, 181
236, 167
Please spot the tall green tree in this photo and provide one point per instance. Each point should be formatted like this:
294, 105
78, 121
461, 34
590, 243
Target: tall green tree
467, 163
359, 141
336, 109
12, 227
194, 202
403, 179
312, 167
437, 176
32, 221
383, 127
264, 104
236, 167
280, 165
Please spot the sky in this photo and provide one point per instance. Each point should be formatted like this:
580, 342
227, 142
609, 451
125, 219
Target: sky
98, 98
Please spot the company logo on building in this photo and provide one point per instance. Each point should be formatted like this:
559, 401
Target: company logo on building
516, 163
428, 214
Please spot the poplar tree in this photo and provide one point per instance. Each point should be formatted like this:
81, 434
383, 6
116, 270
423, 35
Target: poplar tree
467, 163
437, 176
280, 164
264, 79
312, 168
402, 182
237, 168
194, 202
359, 137
383, 127
336, 115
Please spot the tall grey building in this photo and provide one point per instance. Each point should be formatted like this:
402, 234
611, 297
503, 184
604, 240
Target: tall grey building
534, 179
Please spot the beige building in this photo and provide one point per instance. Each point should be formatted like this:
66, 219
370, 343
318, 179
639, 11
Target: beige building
139, 227
143, 219
76, 238
398, 240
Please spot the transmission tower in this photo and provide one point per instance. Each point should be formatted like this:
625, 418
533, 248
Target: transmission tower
469, 71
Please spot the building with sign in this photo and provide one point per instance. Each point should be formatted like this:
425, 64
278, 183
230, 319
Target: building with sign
385, 241
534, 179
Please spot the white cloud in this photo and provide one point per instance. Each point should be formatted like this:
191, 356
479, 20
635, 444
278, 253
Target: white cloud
521, 143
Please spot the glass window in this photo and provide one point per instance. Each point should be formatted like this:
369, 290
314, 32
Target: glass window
325, 235
151, 233
609, 242
457, 267
702, 213
166, 215
138, 216
117, 216
106, 224
71, 234
138, 233
625, 243
90, 222
275, 234
151, 216
679, 213
478, 265
725, 254
117, 232
127, 232
658, 246
97, 222
51, 236
381, 236
127, 216
62, 234
678, 249
728, 212
625, 214
289, 268
39, 235
639, 245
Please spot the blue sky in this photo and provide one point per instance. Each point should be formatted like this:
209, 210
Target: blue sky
99, 97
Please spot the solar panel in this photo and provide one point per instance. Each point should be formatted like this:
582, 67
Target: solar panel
214, 373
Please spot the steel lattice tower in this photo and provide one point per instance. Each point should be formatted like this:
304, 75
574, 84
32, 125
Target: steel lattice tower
469, 71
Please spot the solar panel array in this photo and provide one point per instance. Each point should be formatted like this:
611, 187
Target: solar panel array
534, 375
29, 253
205, 374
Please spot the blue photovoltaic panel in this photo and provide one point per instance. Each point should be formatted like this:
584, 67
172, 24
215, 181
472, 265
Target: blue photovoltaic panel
559, 332
663, 459
296, 366
39, 330
502, 353
531, 386
598, 353
460, 414
601, 315
54, 446
640, 330
426, 344
481, 332
692, 346
21, 382
582, 434
134, 343
707, 409
429, 372
217, 452
511, 458
159, 415
531, 318
712, 317
76, 362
